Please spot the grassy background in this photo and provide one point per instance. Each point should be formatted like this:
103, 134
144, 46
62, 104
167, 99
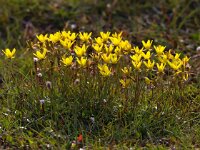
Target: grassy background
22, 19
175, 23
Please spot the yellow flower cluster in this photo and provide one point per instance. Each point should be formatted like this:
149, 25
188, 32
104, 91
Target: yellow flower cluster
108, 51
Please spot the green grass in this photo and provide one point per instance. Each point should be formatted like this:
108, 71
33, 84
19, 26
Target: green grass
67, 111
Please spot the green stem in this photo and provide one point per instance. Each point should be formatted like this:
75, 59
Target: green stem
137, 89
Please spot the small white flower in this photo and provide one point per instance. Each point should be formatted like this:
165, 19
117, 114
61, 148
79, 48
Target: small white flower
35, 59
198, 49
92, 119
22, 128
42, 101
5, 114
108, 5
38, 69
73, 26
48, 145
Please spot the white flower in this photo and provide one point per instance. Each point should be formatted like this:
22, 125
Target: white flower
92, 119
42, 101
35, 59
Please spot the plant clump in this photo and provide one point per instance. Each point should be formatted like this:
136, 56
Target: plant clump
75, 77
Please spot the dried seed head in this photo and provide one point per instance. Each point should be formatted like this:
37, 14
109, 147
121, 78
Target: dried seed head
35, 46
38, 69
92, 72
48, 84
77, 81
39, 74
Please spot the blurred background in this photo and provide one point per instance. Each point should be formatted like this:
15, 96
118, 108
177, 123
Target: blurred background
175, 23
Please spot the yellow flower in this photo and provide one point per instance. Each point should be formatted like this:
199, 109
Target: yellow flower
137, 65
159, 49
95, 56
175, 65
72, 37
117, 35
136, 57
106, 58
149, 64
163, 58
80, 51
55, 37
99, 40
125, 82
67, 61
67, 43
65, 34
42, 38
126, 70
109, 49
9, 54
147, 55
114, 59
115, 41
118, 51
137, 50
169, 54
82, 61
147, 44
97, 47
185, 60
104, 70
122, 44
85, 36
160, 67
176, 57
126, 46
105, 36
40, 55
